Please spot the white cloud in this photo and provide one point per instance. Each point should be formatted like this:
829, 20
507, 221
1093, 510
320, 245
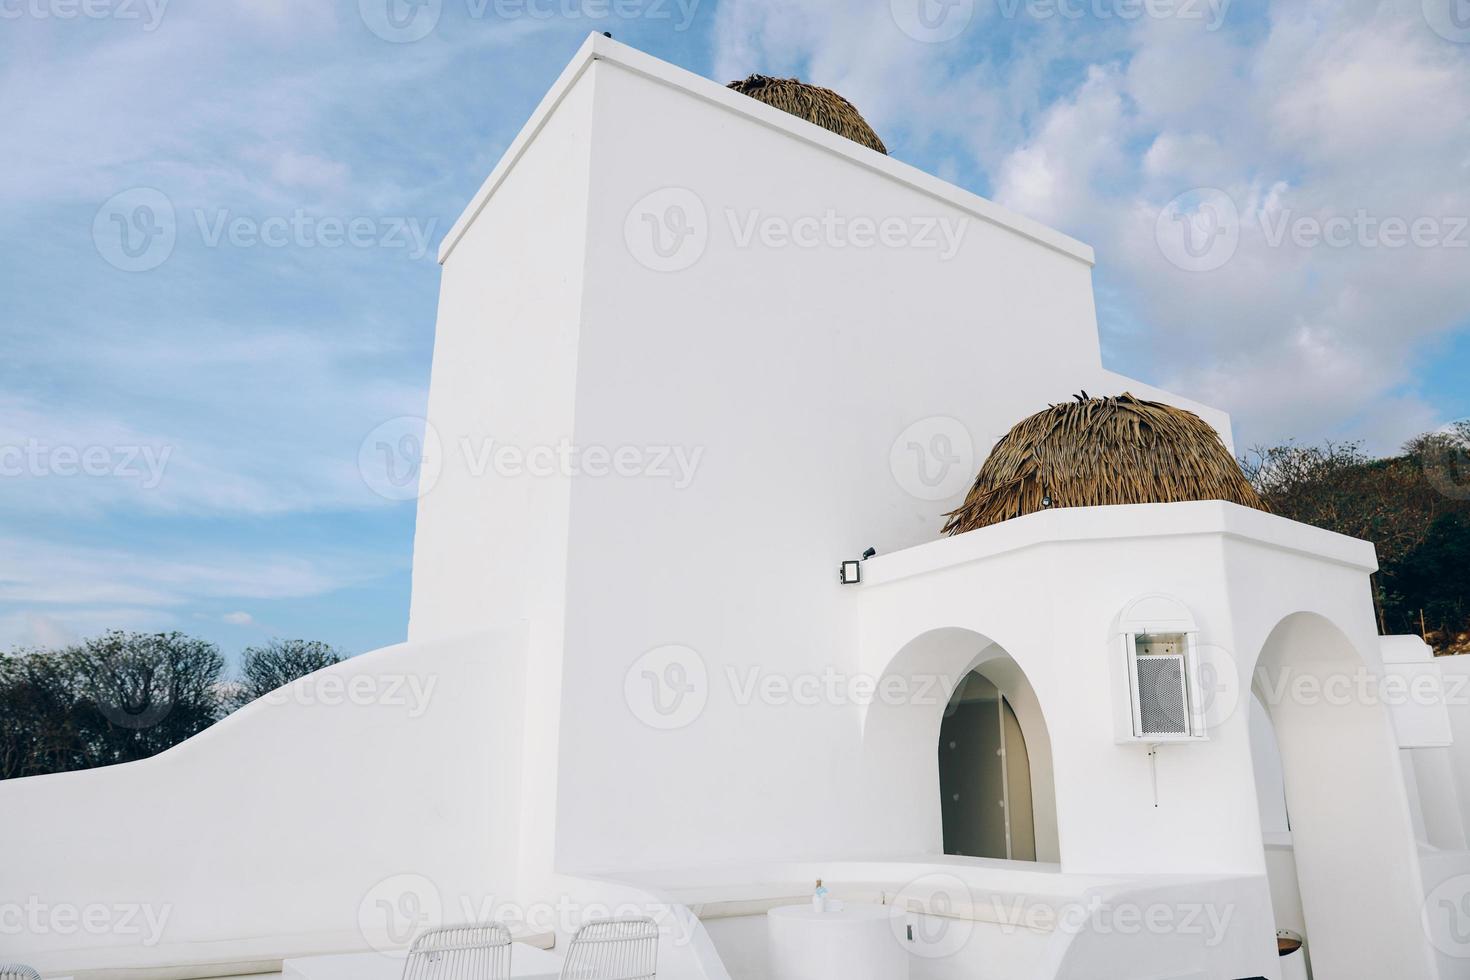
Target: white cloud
60, 628
1077, 146
52, 594
295, 169
1324, 109
41, 574
1183, 158
1349, 116
227, 438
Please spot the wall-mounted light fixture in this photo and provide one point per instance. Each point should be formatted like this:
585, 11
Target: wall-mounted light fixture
851, 572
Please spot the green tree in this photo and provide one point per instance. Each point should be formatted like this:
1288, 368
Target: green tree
145, 692
1415, 507
39, 732
115, 698
265, 668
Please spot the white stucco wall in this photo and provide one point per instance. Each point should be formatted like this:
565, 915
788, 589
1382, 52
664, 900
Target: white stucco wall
1046, 588
786, 374
488, 551
1456, 673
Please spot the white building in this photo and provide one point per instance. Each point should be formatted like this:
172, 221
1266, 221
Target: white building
747, 349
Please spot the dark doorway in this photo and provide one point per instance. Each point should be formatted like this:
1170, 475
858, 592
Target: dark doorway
985, 776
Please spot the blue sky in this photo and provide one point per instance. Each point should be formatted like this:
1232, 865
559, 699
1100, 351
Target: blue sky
219, 382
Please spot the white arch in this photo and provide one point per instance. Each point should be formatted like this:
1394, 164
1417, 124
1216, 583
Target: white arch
901, 735
1352, 834
1156, 613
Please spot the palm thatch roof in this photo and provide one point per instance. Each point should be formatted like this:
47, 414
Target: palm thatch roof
814, 104
1098, 451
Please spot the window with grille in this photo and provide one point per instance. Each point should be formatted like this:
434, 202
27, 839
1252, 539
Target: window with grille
1161, 679
1162, 708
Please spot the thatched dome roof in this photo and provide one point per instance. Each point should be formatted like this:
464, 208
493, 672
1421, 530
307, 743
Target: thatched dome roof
814, 104
1098, 451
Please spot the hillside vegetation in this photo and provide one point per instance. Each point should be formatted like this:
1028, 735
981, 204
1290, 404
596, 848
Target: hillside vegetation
1414, 506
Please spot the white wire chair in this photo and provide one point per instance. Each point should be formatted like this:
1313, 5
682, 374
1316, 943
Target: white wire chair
14, 971
465, 952
613, 949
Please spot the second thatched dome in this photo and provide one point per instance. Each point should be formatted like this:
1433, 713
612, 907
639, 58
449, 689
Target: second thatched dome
814, 104
1099, 451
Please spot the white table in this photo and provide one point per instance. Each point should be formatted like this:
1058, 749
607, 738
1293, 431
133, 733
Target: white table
526, 963
862, 942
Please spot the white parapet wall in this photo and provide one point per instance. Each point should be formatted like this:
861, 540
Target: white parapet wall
1415, 693
283, 829
1455, 676
959, 918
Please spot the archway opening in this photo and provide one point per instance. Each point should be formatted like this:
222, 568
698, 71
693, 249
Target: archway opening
903, 741
1351, 832
1281, 876
985, 795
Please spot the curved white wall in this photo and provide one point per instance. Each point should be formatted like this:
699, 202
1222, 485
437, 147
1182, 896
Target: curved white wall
1352, 833
264, 835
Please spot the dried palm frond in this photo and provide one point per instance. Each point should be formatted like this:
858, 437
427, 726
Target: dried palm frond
814, 104
1099, 451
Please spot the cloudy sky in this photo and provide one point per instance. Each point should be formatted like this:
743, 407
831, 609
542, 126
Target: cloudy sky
220, 218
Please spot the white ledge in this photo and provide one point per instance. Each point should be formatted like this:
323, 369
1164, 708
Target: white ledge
597, 47
1130, 521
